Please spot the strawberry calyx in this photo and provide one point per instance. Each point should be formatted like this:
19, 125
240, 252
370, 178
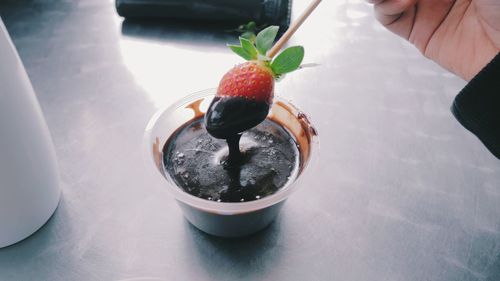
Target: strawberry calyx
256, 50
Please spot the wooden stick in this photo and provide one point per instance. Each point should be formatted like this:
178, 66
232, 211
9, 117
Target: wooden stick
277, 47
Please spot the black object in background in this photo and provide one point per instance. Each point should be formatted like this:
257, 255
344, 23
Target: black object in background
477, 106
269, 12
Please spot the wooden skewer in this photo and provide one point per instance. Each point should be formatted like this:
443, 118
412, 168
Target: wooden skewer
277, 47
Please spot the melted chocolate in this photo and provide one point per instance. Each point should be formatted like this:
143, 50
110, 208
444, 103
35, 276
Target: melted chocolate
200, 164
228, 116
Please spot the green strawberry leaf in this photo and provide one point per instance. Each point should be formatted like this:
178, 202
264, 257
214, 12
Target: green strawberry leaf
249, 48
288, 61
240, 52
249, 35
265, 39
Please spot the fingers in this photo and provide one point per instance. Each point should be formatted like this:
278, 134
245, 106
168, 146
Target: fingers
397, 15
394, 7
388, 11
374, 1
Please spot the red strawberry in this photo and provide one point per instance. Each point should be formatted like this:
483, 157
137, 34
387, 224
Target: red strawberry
246, 92
252, 80
243, 99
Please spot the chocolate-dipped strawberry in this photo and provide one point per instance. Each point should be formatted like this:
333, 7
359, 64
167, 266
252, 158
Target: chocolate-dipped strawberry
243, 98
246, 92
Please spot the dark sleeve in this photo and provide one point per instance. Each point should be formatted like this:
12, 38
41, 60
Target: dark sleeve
477, 106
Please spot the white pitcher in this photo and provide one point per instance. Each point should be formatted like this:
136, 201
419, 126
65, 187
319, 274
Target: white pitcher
29, 182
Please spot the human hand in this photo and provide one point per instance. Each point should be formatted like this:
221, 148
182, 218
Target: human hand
460, 35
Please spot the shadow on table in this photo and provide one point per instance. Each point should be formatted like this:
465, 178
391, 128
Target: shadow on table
235, 258
16, 255
184, 32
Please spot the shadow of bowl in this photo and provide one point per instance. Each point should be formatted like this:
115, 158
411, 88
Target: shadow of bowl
251, 256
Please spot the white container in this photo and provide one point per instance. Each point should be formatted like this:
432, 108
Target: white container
220, 218
29, 182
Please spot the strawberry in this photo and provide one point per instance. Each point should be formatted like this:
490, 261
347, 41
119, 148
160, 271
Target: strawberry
246, 92
252, 80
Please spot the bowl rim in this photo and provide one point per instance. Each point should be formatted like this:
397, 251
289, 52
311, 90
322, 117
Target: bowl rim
220, 208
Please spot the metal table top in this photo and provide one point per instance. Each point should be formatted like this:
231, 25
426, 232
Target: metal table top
400, 191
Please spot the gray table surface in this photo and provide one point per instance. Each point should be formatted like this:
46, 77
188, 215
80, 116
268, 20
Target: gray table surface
400, 192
